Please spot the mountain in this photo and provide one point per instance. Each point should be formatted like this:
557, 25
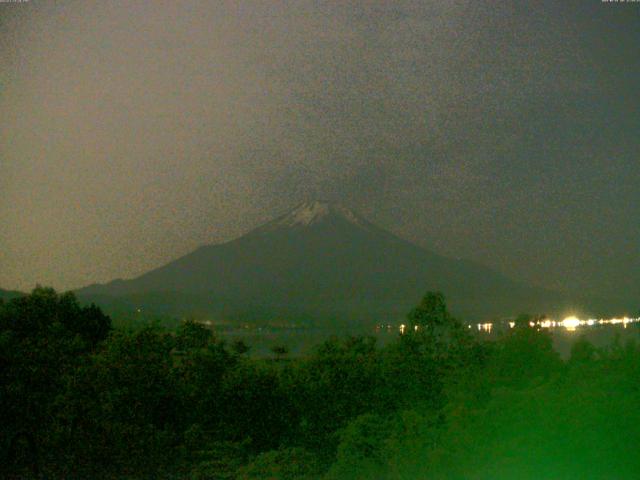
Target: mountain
9, 294
321, 264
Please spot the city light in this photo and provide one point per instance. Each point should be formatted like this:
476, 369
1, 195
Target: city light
570, 324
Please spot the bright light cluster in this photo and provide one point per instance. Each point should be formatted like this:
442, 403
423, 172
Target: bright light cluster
570, 323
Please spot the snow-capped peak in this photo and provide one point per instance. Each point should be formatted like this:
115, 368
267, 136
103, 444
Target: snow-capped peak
309, 213
306, 214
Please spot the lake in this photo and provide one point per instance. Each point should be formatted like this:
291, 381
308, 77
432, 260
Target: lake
301, 340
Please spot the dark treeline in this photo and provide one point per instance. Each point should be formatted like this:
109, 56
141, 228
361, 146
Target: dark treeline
79, 399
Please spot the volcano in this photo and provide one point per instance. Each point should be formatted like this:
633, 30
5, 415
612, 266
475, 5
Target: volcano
320, 264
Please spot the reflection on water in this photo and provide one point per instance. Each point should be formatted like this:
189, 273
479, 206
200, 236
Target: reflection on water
571, 323
302, 340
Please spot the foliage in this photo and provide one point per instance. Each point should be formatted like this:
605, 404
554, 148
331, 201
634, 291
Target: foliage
43, 338
79, 400
283, 464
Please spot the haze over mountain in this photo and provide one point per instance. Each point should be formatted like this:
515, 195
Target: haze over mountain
320, 263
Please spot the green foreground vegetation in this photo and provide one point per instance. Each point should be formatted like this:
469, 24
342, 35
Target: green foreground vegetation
79, 399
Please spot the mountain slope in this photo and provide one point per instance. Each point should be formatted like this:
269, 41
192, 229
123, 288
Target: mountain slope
320, 263
9, 294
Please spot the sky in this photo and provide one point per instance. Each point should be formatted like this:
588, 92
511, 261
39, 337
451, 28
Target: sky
501, 132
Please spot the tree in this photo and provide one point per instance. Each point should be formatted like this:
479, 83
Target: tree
342, 380
435, 333
582, 352
284, 464
200, 374
280, 351
123, 398
361, 452
240, 347
254, 405
35, 315
523, 321
44, 336
430, 314
192, 334
524, 354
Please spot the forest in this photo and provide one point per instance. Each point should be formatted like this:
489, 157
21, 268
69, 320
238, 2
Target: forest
82, 399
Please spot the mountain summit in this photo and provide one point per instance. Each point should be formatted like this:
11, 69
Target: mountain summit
323, 264
311, 213
307, 214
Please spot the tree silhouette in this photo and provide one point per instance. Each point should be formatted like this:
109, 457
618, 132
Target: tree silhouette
240, 347
430, 313
280, 351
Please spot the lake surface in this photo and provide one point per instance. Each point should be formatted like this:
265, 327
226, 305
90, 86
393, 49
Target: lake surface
301, 341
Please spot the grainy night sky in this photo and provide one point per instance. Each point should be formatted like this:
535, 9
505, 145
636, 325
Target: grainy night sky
504, 132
